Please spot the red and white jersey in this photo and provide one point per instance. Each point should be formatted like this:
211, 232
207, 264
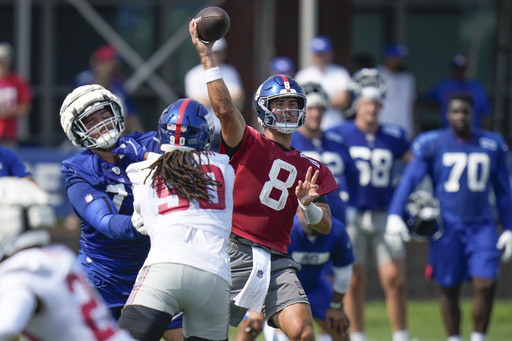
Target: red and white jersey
194, 233
264, 195
45, 296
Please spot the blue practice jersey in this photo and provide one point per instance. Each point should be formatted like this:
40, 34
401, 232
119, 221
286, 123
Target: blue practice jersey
101, 195
376, 157
331, 152
463, 173
11, 164
314, 255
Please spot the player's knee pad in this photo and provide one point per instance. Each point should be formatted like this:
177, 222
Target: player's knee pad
143, 323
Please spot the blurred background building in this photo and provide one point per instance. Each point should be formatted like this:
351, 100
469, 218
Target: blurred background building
53, 40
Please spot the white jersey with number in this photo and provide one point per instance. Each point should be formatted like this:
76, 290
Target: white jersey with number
194, 233
45, 296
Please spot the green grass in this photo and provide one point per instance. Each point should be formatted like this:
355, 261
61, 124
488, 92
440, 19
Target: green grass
425, 322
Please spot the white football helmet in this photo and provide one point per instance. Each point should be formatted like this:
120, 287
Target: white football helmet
25, 215
368, 83
81, 103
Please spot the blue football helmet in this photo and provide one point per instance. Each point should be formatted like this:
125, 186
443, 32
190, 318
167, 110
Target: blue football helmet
185, 123
279, 86
423, 216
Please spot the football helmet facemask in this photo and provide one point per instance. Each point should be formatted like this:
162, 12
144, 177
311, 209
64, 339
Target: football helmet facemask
185, 123
25, 215
423, 216
279, 86
82, 103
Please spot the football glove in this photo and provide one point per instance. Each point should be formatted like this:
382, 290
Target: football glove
138, 223
505, 244
395, 226
130, 148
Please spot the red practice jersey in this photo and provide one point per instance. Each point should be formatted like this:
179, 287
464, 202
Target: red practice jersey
264, 194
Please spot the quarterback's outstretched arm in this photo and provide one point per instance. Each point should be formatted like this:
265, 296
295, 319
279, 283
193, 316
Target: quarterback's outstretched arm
231, 119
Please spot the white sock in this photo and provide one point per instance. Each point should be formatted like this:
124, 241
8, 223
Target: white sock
324, 337
476, 336
358, 336
401, 335
454, 338
273, 334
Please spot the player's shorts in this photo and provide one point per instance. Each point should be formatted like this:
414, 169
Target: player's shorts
284, 288
464, 253
367, 235
114, 289
201, 295
320, 297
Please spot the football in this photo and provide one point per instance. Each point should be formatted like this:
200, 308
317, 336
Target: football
212, 23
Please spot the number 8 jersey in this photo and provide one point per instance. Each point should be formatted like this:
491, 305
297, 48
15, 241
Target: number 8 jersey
264, 195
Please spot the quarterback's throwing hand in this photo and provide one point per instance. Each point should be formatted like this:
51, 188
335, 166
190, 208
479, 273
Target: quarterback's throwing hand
306, 191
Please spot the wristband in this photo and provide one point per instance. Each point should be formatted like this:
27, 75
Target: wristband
312, 213
212, 74
336, 305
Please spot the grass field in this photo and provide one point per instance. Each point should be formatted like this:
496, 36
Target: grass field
425, 323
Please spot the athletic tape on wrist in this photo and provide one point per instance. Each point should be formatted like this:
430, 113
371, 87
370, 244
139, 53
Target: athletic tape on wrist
336, 305
312, 213
212, 74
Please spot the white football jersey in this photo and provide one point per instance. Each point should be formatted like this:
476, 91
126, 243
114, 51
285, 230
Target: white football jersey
45, 296
194, 233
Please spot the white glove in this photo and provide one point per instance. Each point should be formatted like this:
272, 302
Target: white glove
395, 226
138, 223
505, 243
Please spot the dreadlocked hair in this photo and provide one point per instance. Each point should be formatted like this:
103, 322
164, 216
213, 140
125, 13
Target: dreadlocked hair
181, 171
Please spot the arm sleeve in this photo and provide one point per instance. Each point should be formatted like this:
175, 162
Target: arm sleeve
96, 207
502, 190
16, 308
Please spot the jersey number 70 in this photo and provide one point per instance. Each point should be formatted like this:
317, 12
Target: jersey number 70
478, 169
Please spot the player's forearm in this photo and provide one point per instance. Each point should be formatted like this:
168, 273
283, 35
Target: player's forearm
503, 195
231, 119
414, 172
325, 224
341, 282
115, 226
